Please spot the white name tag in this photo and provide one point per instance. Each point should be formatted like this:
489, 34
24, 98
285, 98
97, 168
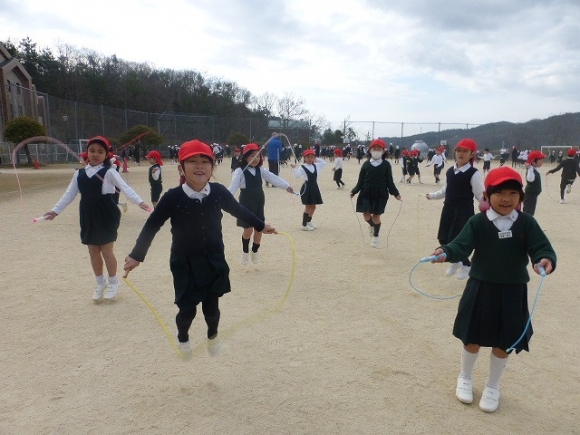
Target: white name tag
504, 234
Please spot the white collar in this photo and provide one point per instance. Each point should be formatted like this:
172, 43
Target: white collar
493, 215
194, 194
463, 168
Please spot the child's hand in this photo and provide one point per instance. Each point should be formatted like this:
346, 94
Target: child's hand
546, 264
351, 194
130, 264
269, 229
427, 195
49, 215
398, 197
290, 190
146, 207
437, 253
292, 165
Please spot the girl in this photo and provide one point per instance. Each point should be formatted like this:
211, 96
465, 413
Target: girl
155, 176
493, 310
248, 178
533, 181
487, 158
337, 170
310, 192
197, 260
99, 215
438, 163
569, 168
375, 182
463, 183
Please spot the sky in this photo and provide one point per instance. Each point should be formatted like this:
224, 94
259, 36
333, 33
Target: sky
370, 62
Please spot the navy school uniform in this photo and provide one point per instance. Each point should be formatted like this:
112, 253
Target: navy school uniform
310, 192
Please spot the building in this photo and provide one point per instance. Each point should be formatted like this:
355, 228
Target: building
18, 96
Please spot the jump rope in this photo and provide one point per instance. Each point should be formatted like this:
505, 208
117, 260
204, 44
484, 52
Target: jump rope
246, 323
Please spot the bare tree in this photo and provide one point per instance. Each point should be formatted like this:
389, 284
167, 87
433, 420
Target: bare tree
290, 108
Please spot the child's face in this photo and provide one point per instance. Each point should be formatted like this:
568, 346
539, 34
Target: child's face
309, 159
505, 201
96, 154
252, 159
537, 163
463, 155
197, 170
152, 160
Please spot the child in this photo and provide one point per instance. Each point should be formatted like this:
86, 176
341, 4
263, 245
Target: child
197, 260
438, 163
375, 182
99, 215
487, 158
569, 168
463, 183
310, 192
533, 181
248, 178
337, 170
235, 159
155, 176
493, 311
404, 155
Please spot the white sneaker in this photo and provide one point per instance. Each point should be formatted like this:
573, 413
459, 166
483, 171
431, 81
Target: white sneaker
489, 399
214, 347
124, 205
98, 293
245, 258
185, 350
463, 273
568, 188
562, 201
307, 228
464, 390
312, 225
255, 257
375, 242
452, 269
112, 291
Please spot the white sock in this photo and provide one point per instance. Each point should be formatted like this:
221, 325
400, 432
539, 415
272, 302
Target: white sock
113, 280
468, 360
101, 280
496, 369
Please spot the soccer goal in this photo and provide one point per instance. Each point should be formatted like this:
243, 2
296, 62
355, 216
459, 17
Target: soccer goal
548, 149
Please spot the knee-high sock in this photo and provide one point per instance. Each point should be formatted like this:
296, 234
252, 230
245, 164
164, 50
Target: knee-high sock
245, 245
183, 321
496, 369
377, 229
467, 363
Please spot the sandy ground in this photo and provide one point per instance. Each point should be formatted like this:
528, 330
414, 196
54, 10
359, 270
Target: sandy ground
350, 348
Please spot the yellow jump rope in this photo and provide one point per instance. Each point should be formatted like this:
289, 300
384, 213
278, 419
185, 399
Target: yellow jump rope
246, 323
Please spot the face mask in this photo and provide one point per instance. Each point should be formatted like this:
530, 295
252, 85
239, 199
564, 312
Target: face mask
376, 154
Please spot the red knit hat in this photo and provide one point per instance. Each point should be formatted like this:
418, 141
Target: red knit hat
194, 148
378, 142
309, 152
102, 140
155, 155
571, 152
467, 144
534, 155
500, 175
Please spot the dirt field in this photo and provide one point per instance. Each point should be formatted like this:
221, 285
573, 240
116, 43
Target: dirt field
353, 349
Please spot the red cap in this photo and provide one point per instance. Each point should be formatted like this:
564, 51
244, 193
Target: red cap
467, 144
308, 152
155, 155
193, 148
534, 155
441, 149
102, 140
251, 147
500, 175
338, 152
378, 142
571, 152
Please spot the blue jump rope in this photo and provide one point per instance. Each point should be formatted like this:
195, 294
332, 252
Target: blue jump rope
438, 257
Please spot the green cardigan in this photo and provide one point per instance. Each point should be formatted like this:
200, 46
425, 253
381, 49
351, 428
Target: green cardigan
501, 260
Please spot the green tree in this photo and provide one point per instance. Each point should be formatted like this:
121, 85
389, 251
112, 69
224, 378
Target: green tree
150, 139
237, 139
22, 128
